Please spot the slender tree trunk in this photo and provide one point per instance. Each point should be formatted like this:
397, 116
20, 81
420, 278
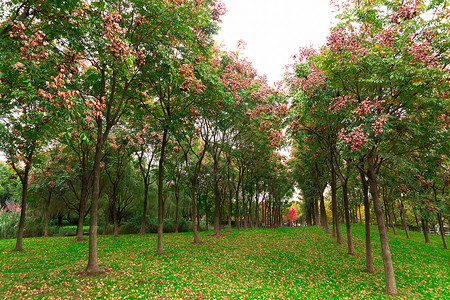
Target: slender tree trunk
323, 213
417, 221
216, 197
316, 211
159, 246
388, 212
23, 207
176, 210
194, 215
116, 223
229, 211
334, 201
405, 226
144, 209
206, 212
425, 231
369, 262
92, 265
442, 230
83, 202
391, 286
351, 250
105, 226
47, 208
236, 212
250, 217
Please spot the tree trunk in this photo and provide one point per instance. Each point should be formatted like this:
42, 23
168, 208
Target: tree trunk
442, 230
116, 223
23, 208
144, 210
159, 246
206, 212
334, 201
47, 208
369, 263
388, 212
194, 216
405, 226
216, 197
417, 221
351, 250
92, 265
83, 202
176, 210
236, 213
323, 213
105, 226
391, 286
316, 212
425, 230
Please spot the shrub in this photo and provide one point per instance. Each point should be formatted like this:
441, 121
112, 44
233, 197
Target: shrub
133, 225
9, 222
33, 227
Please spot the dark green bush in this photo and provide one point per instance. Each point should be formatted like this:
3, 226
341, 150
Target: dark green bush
33, 227
133, 225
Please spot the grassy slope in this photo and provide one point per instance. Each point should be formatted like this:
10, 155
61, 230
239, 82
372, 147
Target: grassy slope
285, 263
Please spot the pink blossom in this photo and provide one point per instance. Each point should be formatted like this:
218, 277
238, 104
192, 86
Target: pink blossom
377, 127
218, 9
357, 138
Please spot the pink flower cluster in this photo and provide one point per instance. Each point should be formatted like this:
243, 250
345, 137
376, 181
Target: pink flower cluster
218, 9
386, 38
357, 138
377, 127
368, 105
10, 206
422, 53
405, 12
342, 39
340, 102
190, 83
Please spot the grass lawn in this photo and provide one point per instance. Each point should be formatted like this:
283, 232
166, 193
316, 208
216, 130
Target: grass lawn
284, 263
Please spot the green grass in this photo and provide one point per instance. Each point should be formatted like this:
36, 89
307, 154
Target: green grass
284, 263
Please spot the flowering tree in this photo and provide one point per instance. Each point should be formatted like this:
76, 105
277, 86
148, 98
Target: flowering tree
292, 216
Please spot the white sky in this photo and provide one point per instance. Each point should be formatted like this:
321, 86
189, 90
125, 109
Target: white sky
274, 30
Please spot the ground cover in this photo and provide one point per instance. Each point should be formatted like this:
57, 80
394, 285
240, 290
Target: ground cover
284, 263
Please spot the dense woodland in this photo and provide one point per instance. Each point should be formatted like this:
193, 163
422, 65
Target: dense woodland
127, 117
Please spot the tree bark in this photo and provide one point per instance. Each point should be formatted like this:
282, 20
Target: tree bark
47, 209
369, 262
405, 226
323, 212
391, 286
425, 230
194, 217
216, 196
144, 209
442, 230
351, 250
159, 246
83, 202
23, 208
92, 265
176, 209
334, 201
105, 226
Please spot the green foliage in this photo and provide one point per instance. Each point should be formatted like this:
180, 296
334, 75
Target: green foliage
133, 225
284, 263
8, 224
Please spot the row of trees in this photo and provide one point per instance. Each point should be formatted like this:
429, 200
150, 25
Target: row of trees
370, 113
103, 98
